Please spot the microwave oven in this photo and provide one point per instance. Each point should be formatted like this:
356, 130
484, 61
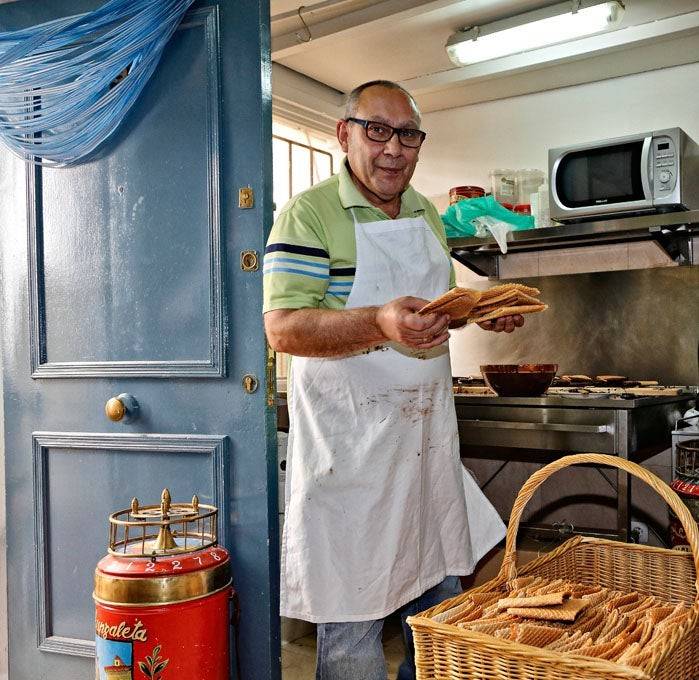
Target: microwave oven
648, 172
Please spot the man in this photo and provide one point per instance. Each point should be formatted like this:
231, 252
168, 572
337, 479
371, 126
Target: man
376, 514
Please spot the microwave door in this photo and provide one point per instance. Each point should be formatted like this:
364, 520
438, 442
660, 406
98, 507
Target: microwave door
604, 179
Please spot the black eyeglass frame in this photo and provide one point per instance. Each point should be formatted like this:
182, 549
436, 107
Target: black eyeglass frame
394, 131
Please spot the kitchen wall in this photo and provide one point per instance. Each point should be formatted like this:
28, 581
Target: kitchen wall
636, 323
463, 144
641, 324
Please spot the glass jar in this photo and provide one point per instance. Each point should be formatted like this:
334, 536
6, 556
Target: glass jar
459, 193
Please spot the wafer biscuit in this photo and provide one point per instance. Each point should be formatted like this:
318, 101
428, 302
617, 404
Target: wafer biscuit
551, 587
457, 303
637, 608
456, 613
474, 615
621, 600
547, 600
523, 582
591, 621
568, 611
487, 627
509, 311
537, 636
479, 312
484, 598
637, 656
571, 642
512, 296
657, 614
594, 598
497, 290
673, 620
598, 650
614, 630
646, 633
503, 297
581, 590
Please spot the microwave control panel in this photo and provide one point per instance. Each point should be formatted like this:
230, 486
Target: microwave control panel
666, 166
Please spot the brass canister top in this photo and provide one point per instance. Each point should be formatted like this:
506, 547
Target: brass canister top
164, 529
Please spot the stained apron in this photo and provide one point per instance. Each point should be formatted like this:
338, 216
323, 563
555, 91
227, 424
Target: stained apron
376, 506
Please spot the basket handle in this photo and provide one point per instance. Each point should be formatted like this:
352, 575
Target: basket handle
509, 562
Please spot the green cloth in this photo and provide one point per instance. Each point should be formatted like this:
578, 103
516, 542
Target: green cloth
311, 253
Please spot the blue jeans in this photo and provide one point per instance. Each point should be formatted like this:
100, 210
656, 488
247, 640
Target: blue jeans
353, 651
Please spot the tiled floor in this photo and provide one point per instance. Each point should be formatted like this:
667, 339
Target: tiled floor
299, 657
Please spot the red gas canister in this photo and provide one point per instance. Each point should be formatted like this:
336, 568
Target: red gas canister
162, 595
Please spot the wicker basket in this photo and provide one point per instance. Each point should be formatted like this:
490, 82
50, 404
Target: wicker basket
444, 651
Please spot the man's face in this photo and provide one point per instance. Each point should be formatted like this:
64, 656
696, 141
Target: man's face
384, 168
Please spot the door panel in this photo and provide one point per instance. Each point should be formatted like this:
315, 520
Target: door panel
92, 244
123, 275
108, 462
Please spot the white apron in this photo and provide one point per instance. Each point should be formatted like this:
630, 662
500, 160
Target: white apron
375, 489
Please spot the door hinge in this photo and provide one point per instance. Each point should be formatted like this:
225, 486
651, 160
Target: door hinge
249, 260
271, 377
246, 197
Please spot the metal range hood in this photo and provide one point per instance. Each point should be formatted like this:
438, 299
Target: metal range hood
586, 246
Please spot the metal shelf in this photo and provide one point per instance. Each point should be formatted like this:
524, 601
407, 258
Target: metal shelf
672, 231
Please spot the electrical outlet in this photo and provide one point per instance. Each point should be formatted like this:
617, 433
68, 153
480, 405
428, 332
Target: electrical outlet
639, 532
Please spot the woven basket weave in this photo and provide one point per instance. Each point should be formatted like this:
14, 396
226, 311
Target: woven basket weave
444, 651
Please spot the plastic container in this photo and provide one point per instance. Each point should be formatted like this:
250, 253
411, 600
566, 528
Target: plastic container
503, 183
542, 216
459, 193
527, 182
534, 205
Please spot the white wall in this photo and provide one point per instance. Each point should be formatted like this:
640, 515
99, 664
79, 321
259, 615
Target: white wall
463, 144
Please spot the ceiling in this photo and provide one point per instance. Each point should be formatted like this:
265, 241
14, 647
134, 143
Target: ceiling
322, 49
330, 46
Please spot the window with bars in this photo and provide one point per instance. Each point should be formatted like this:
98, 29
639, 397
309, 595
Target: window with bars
297, 167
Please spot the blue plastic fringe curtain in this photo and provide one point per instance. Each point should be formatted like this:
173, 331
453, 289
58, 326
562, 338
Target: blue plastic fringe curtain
66, 85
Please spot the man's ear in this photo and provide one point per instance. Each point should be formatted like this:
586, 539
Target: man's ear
342, 133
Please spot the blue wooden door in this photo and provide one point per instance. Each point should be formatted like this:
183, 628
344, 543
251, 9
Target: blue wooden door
123, 275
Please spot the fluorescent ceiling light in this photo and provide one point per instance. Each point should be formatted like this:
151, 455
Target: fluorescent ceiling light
549, 26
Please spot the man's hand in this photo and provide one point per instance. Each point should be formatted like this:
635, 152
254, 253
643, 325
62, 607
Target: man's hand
398, 320
504, 323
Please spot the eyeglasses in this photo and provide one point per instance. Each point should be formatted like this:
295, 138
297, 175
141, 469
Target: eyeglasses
380, 132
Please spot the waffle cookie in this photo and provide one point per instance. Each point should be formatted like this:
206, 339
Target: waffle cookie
476, 306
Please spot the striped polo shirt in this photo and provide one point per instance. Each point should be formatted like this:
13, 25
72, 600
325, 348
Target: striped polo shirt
311, 253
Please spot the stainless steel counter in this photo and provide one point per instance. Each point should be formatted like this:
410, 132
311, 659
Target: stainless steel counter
538, 429
581, 402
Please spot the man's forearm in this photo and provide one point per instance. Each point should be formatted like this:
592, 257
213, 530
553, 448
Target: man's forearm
324, 332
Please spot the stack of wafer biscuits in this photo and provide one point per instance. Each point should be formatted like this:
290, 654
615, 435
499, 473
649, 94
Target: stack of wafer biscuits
627, 628
476, 306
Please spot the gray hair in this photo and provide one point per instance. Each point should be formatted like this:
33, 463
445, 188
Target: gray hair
353, 98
